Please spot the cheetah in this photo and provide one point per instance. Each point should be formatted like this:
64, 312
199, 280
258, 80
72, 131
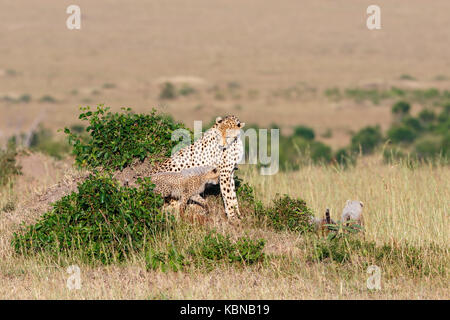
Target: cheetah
321, 224
219, 147
353, 212
185, 185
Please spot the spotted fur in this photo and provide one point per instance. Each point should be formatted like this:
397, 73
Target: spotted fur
185, 185
353, 212
321, 225
220, 147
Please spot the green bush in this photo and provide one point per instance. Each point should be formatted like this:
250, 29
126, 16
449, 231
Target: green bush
401, 134
401, 108
245, 194
8, 165
431, 93
406, 76
424, 95
168, 91
413, 123
304, 132
428, 147
333, 94
233, 85
376, 95
248, 251
78, 128
427, 115
101, 222
443, 125
344, 157
47, 99
445, 113
298, 148
367, 139
217, 247
373, 95
117, 139
160, 260
428, 131
42, 140
186, 90
109, 85
287, 214
294, 149
397, 92
446, 145
320, 152
335, 250
25, 98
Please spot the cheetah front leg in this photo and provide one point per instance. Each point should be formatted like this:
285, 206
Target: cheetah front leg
228, 192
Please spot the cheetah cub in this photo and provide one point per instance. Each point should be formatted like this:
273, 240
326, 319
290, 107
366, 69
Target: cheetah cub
353, 211
321, 224
186, 184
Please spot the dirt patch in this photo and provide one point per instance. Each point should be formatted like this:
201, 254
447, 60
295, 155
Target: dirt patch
38, 169
130, 175
43, 180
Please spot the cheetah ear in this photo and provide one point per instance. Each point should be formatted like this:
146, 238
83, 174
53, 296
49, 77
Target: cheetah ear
348, 202
219, 120
241, 124
361, 203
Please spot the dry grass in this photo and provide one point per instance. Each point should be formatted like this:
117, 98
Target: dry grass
35, 281
400, 204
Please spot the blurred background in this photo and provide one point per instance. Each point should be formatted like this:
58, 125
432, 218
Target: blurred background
311, 68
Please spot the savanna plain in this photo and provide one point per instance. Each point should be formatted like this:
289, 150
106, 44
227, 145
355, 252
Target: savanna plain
363, 115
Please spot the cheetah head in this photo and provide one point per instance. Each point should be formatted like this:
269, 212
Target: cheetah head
213, 176
230, 128
355, 203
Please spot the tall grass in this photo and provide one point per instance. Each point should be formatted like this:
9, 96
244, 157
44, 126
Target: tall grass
400, 202
406, 207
